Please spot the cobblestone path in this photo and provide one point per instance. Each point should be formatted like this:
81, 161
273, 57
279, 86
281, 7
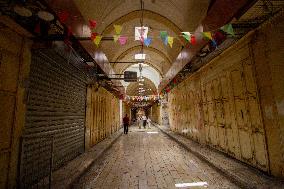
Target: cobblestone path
146, 158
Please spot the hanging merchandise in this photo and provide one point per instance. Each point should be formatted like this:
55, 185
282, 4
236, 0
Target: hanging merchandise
92, 24
186, 35
148, 41
63, 16
117, 29
170, 41
115, 38
228, 29
207, 35
193, 40
97, 40
122, 40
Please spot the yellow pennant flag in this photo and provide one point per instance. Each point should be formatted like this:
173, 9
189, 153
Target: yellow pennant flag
207, 35
115, 38
97, 40
170, 41
117, 29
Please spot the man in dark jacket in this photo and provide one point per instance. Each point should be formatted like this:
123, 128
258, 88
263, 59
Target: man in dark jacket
125, 124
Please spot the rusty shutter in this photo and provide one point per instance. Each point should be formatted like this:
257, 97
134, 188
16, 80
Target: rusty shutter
54, 128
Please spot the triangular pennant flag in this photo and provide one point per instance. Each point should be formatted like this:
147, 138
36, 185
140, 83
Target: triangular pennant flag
69, 32
63, 16
97, 40
228, 29
92, 24
214, 43
147, 41
163, 35
170, 41
186, 35
166, 41
122, 40
115, 38
207, 35
37, 28
193, 40
93, 35
117, 29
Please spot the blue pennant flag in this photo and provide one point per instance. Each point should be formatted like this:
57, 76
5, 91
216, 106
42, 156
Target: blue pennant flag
147, 41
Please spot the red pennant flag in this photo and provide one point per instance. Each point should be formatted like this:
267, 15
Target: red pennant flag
93, 35
193, 40
37, 28
92, 24
63, 16
69, 32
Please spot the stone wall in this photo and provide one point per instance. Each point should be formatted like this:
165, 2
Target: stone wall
155, 113
15, 58
235, 102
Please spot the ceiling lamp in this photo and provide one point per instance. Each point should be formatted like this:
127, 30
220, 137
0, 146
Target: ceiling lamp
45, 16
140, 56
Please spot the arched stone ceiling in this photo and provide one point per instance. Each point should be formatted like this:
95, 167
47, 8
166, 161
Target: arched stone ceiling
172, 16
186, 14
154, 57
133, 88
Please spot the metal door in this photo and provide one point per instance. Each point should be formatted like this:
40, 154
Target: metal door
54, 128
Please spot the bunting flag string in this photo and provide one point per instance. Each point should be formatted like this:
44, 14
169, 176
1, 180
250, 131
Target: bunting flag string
63, 16
122, 40
115, 38
143, 98
170, 41
147, 41
185, 38
207, 35
92, 24
37, 28
118, 29
228, 29
97, 40
94, 35
193, 40
186, 35
164, 36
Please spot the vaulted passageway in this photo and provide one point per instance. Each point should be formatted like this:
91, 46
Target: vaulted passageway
207, 75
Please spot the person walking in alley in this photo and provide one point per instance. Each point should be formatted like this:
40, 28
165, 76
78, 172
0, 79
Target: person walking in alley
125, 124
144, 118
149, 123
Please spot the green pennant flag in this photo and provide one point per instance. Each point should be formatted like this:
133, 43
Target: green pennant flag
163, 35
228, 29
186, 35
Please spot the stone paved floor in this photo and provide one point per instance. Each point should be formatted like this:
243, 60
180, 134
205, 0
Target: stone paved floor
149, 160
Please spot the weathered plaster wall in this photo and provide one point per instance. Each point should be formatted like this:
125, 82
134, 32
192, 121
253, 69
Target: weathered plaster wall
235, 103
15, 58
268, 51
155, 113
102, 115
126, 110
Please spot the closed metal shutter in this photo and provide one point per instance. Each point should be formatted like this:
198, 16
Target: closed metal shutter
54, 128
